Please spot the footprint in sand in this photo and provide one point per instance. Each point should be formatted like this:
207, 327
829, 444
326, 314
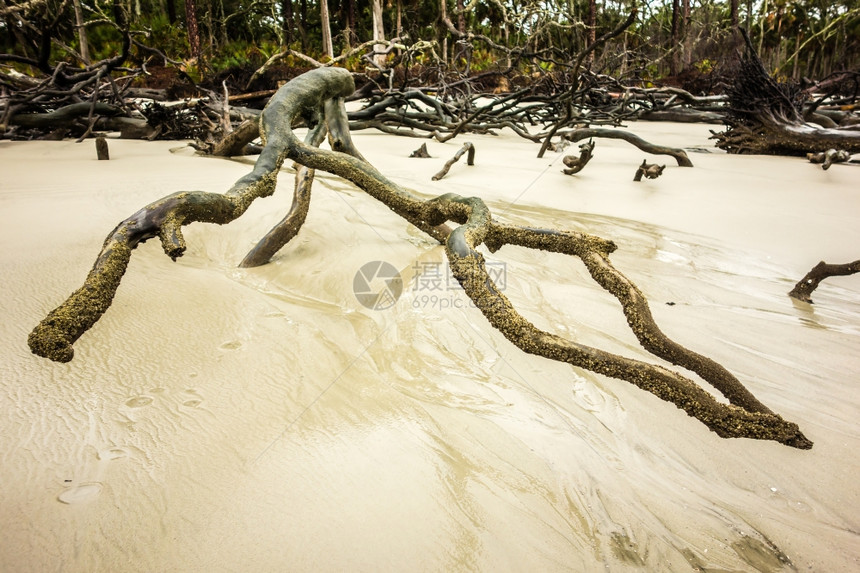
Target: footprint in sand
89, 490
139, 401
194, 401
231, 345
81, 493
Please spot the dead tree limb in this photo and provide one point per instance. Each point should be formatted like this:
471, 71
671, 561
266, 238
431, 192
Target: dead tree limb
648, 170
234, 142
317, 95
803, 289
62, 117
576, 164
829, 157
470, 160
586, 133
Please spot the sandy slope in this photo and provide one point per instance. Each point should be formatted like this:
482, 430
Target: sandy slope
219, 419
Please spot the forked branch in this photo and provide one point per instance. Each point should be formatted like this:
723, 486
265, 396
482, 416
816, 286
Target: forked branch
317, 95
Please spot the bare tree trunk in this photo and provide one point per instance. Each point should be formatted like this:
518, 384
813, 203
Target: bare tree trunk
82, 32
687, 39
349, 18
209, 25
303, 25
673, 58
399, 20
288, 21
443, 15
591, 36
378, 30
461, 16
328, 48
192, 28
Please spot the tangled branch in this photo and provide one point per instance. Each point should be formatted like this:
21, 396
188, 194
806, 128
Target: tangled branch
317, 98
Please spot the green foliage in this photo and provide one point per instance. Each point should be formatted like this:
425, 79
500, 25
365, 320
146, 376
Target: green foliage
241, 54
705, 66
824, 35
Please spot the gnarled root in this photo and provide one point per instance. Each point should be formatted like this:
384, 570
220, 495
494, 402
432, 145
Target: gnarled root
317, 94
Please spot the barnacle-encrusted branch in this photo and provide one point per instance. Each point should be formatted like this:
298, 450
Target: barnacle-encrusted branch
317, 95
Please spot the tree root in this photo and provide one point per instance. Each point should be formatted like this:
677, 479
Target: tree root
802, 291
317, 95
585, 133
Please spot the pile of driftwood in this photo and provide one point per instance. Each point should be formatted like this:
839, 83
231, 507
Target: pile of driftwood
762, 115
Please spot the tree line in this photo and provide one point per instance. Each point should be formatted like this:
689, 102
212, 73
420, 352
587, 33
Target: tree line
795, 38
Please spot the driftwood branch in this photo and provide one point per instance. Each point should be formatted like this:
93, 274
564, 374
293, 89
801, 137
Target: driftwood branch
470, 160
234, 143
586, 133
648, 170
803, 289
576, 164
829, 157
317, 95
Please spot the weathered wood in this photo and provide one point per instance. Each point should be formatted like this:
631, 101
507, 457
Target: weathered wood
683, 115
586, 133
648, 170
54, 336
251, 95
288, 227
234, 143
470, 160
803, 289
767, 116
102, 149
319, 94
576, 164
829, 157
62, 117
421, 152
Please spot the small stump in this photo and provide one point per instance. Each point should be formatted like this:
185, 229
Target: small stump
102, 149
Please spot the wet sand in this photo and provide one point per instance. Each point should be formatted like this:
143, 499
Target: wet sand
225, 419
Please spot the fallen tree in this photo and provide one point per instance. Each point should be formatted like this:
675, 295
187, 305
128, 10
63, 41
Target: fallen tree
587, 133
316, 98
767, 116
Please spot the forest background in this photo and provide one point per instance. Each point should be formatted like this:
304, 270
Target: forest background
678, 42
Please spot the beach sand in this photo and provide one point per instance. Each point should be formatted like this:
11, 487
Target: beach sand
225, 419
